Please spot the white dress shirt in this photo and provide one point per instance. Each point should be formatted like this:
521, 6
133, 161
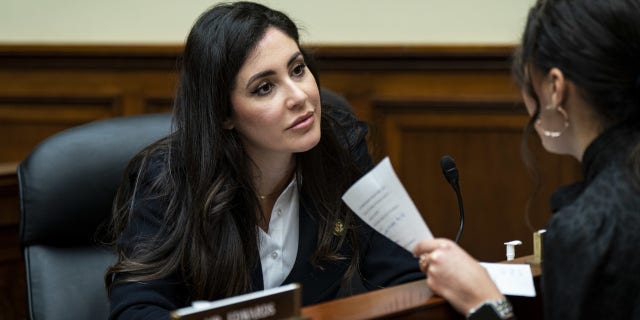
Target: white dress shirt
279, 247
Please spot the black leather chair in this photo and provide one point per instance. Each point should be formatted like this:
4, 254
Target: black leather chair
67, 184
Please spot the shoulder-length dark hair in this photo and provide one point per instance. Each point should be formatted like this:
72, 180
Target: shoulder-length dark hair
208, 234
596, 44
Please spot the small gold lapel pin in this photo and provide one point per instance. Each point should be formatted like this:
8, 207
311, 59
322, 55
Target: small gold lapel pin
338, 229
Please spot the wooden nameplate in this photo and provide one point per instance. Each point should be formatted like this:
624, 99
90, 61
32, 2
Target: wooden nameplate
277, 303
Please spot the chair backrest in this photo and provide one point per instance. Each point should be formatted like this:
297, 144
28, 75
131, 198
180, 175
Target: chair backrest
67, 185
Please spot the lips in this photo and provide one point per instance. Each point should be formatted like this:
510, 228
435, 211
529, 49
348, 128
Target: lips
302, 120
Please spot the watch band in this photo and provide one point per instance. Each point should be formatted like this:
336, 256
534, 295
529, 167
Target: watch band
492, 309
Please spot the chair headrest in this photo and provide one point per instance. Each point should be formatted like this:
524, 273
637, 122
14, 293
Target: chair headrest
67, 183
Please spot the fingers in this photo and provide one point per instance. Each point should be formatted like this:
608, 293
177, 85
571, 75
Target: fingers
427, 246
454, 274
428, 260
424, 262
430, 252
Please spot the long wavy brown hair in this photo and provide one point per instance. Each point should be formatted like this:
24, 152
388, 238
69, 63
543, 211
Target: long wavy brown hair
199, 175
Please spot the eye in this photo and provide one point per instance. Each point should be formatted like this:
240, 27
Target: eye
299, 69
263, 89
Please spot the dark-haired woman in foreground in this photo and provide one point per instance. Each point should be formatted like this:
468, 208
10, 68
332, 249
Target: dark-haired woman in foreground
579, 69
246, 194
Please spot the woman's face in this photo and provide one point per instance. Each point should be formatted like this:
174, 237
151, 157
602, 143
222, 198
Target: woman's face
276, 102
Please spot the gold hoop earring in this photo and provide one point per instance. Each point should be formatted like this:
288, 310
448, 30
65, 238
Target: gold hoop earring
555, 134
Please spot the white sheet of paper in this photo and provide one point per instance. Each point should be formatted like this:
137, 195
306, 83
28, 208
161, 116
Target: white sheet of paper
381, 201
512, 279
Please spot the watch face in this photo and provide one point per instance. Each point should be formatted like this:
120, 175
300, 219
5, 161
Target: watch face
485, 312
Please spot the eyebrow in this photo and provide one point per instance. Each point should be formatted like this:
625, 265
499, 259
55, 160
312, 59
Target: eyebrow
271, 72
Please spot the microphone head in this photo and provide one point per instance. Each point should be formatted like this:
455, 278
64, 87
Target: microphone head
449, 169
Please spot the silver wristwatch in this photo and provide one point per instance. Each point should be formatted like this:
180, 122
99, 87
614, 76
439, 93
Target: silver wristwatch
492, 310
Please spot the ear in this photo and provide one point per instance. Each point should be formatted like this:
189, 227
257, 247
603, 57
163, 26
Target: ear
558, 87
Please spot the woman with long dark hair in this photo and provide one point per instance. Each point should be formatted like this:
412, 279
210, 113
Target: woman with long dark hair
579, 69
246, 193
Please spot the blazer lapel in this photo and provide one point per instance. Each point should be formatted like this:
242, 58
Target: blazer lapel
257, 283
317, 285
308, 236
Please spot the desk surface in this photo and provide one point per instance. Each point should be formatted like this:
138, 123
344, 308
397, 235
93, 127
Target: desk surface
536, 268
412, 300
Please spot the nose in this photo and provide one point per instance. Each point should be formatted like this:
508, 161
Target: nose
296, 96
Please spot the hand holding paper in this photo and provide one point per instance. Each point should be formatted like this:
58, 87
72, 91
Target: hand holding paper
381, 201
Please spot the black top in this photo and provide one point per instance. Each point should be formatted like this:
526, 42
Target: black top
591, 265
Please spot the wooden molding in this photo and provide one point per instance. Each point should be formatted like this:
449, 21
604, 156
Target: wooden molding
166, 57
415, 58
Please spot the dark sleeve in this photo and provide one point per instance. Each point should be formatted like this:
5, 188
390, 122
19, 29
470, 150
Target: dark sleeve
151, 299
575, 245
383, 262
148, 300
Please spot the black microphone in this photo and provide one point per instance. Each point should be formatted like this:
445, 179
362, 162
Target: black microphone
450, 172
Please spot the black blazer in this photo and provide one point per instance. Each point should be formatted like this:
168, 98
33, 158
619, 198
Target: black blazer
383, 263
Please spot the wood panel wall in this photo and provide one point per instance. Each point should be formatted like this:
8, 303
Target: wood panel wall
422, 102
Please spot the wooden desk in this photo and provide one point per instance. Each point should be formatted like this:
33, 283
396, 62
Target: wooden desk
536, 268
414, 300
525, 307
